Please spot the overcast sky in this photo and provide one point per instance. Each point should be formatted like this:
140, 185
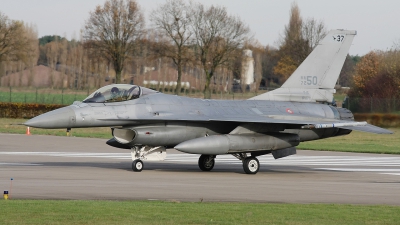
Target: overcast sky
377, 22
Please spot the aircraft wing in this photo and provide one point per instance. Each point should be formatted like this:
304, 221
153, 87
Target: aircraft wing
304, 122
309, 123
238, 119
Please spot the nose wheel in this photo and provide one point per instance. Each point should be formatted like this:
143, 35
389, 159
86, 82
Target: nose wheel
206, 162
137, 165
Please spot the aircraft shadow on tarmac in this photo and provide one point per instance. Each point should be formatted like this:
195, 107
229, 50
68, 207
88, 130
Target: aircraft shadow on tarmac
174, 167
385, 182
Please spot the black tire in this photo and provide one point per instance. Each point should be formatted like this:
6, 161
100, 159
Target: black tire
137, 165
206, 162
251, 165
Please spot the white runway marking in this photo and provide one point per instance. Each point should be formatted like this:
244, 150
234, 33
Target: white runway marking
347, 164
360, 169
20, 164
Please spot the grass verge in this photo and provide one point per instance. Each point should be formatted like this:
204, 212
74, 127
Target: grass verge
11, 126
68, 96
157, 212
43, 97
358, 141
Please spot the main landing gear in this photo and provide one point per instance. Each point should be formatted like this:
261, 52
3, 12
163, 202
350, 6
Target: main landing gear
137, 165
206, 162
251, 165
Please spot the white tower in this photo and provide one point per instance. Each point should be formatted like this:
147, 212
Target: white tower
247, 67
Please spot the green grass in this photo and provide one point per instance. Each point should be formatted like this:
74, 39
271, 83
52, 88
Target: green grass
157, 212
11, 126
339, 97
358, 141
68, 96
41, 97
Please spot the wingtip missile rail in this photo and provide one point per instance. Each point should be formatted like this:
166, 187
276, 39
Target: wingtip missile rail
333, 125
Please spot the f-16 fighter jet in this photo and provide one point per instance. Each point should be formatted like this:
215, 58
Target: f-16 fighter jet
147, 122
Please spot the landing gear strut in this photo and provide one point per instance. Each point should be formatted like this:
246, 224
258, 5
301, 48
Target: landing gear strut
137, 165
146, 153
206, 162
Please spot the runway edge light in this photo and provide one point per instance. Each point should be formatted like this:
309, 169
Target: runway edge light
5, 195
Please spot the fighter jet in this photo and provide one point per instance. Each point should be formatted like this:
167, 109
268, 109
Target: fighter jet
147, 121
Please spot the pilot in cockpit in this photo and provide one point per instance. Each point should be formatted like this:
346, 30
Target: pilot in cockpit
116, 93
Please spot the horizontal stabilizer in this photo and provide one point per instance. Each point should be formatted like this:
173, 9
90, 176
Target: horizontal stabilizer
370, 129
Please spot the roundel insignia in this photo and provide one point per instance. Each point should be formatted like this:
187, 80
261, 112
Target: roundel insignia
289, 111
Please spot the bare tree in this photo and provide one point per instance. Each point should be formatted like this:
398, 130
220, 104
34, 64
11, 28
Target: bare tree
172, 20
313, 31
33, 54
218, 38
294, 45
293, 29
112, 31
299, 39
18, 46
346, 74
15, 44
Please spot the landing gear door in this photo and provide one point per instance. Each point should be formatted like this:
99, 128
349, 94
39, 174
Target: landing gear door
147, 153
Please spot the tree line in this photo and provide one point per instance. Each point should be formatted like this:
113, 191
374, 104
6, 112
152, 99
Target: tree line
205, 42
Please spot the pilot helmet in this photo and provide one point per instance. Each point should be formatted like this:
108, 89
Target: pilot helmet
114, 90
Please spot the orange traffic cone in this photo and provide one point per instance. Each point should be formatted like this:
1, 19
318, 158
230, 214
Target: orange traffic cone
28, 132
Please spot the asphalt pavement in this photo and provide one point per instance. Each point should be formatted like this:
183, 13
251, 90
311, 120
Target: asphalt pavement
49, 167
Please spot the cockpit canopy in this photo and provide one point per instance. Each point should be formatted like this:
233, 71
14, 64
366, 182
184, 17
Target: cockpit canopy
117, 93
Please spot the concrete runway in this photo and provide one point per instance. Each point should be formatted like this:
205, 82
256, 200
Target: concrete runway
49, 167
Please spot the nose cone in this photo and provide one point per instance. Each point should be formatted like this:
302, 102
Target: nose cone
59, 118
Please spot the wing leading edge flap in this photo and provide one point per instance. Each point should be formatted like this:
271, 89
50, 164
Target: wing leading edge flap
307, 123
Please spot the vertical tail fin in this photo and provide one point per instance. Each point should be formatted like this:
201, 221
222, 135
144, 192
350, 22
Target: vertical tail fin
315, 79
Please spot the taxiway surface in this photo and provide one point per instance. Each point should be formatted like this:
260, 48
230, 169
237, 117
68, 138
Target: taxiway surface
49, 167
